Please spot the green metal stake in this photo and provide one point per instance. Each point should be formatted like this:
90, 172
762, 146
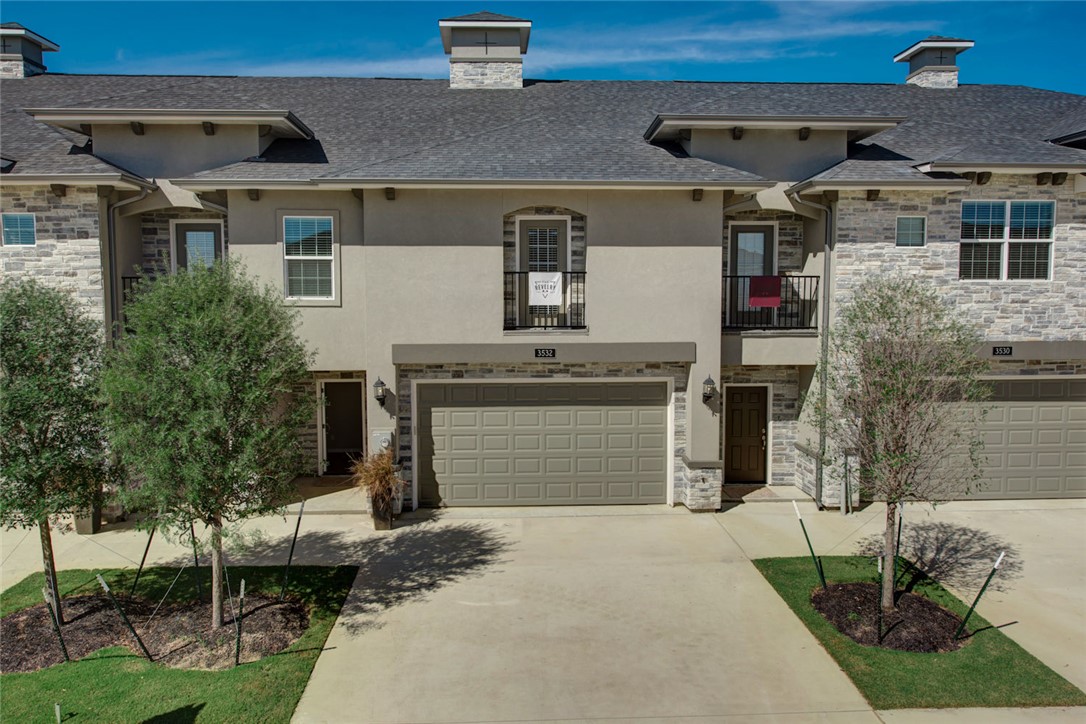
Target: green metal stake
53, 620
139, 571
983, 588
241, 610
286, 573
817, 563
196, 563
124, 618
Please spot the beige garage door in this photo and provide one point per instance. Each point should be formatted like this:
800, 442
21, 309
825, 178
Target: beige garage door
542, 444
1035, 440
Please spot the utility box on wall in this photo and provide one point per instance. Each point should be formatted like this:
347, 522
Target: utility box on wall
381, 440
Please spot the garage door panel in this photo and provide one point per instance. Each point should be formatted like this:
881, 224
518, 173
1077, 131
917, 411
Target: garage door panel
1035, 440
541, 443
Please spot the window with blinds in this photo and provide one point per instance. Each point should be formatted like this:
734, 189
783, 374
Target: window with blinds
1006, 239
308, 256
911, 230
18, 229
542, 249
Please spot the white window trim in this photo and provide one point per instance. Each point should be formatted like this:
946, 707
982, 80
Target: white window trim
924, 242
174, 223
1004, 254
35, 226
283, 236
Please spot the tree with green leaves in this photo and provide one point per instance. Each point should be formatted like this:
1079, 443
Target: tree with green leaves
201, 404
904, 394
53, 457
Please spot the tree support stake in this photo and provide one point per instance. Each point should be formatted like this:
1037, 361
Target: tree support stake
286, 572
814, 558
995, 567
124, 618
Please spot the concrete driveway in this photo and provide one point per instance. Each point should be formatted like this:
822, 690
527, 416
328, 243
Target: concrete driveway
570, 614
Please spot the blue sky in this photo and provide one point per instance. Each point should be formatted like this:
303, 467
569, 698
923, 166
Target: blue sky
1038, 44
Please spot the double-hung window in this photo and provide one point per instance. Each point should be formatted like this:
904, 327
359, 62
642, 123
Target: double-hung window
18, 229
1006, 239
308, 255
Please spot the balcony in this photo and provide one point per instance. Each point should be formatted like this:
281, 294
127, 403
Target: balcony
770, 303
544, 300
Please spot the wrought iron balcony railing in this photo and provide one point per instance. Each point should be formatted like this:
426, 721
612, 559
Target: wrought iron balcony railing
770, 302
544, 300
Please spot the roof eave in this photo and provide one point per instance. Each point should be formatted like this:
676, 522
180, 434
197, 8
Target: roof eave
1023, 168
201, 184
813, 186
867, 125
119, 180
73, 118
46, 45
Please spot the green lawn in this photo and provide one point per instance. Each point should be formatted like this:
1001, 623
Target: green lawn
114, 685
990, 670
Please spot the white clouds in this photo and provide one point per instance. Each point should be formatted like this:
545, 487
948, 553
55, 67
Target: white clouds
717, 34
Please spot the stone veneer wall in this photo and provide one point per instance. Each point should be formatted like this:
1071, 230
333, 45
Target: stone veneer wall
577, 235
698, 489
934, 79
67, 253
485, 74
155, 231
784, 414
1043, 310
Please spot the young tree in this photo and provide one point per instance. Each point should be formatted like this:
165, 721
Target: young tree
903, 384
53, 458
200, 404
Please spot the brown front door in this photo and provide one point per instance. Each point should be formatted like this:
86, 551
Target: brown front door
745, 435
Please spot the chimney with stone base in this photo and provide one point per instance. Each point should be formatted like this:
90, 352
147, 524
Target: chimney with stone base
485, 50
932, 61
21, 51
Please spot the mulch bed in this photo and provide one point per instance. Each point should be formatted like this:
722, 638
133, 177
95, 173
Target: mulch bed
919, 624
178, 636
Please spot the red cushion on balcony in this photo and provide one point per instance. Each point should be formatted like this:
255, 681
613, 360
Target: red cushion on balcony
765, 291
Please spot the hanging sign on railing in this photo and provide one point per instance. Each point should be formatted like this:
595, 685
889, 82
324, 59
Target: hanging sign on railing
544, 289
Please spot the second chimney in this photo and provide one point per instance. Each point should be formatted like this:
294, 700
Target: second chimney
21, 51
933, 61
485, 50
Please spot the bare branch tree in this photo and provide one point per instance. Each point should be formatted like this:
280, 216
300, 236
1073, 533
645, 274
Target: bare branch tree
904, 383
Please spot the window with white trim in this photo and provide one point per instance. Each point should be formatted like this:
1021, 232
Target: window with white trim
1006, 239
911, 230
19, 230
308, 256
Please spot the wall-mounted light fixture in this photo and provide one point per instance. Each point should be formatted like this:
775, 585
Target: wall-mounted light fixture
390, 193
984, 177
708, 389
696, 194
380, 392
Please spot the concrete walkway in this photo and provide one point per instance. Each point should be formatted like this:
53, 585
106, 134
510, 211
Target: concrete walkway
634, 613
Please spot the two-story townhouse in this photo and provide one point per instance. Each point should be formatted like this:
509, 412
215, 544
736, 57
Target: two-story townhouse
576, 292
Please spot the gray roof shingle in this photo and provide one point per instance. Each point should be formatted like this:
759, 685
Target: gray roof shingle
384, 129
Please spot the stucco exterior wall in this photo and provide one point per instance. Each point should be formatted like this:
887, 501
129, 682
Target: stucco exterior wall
172, 151
1048, 310
67, 252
